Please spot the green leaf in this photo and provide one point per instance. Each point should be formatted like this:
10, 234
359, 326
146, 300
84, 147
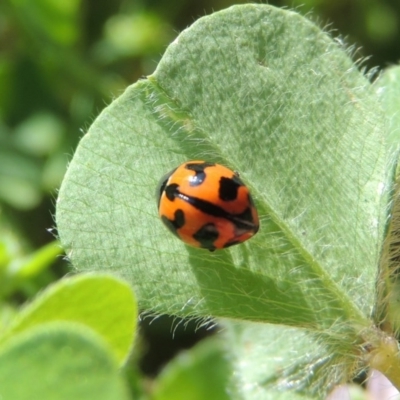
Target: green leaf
195, 374
18, 263
272, 362
102, 303
388, 88
387, 310
269, 94
31, 265
59, 362
315, 184
17, 269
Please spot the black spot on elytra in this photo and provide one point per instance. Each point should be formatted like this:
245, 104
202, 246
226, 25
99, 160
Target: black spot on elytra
246, 215
161, 186
205, 206
206, 236
200, 174
198, 167
176, 223
171, 191
228, 188
245, 221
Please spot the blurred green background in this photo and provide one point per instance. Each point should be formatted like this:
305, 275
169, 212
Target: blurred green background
61, 63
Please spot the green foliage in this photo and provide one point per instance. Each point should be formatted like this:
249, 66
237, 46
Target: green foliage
102, 303
19, 265
388, 88
195, 374
59, 362
70, 342
55, 78
373, 23
387, 311
56, 21
309, 210
301, 125
269, 94
268, 359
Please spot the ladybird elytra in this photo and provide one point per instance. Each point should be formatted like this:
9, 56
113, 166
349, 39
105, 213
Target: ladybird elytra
207, 205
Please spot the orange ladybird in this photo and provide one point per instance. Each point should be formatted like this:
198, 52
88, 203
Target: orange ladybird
207, 205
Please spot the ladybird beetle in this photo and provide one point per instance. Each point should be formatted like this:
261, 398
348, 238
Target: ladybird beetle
207, 205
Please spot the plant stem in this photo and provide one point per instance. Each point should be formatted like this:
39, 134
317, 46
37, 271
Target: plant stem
385, 357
